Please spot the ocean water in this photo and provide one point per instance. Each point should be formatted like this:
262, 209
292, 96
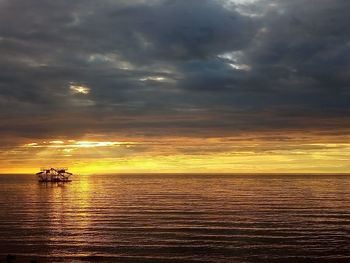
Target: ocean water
177, 218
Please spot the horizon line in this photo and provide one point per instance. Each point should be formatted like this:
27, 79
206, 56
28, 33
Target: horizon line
199, 173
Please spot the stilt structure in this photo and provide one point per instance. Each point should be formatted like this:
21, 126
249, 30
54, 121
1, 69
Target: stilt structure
54, 175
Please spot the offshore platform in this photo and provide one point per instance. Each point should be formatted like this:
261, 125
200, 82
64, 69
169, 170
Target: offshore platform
55, 175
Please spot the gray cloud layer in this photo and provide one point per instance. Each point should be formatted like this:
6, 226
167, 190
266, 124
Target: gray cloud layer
173, 67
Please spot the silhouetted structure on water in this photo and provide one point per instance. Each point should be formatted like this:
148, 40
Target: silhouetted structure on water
54, 175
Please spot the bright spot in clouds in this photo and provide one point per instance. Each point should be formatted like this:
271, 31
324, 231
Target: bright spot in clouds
33, 144
79, 89
154, 78
56, 142
71, 144
240, 66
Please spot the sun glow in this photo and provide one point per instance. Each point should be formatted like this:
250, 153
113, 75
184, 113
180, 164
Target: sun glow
56, 142
75, 144
242, 154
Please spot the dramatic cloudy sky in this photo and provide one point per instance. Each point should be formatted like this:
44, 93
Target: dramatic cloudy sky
175, 85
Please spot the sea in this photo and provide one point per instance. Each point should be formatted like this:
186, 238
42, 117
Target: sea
176, 218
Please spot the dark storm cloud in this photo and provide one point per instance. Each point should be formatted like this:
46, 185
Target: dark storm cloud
173, 67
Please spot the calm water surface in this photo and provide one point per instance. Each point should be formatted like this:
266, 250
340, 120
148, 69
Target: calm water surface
177, 218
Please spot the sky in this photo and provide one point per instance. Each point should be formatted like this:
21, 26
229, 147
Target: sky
175, 86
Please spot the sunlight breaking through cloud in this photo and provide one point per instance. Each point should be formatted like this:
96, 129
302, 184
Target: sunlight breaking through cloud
76, 144
79, 89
